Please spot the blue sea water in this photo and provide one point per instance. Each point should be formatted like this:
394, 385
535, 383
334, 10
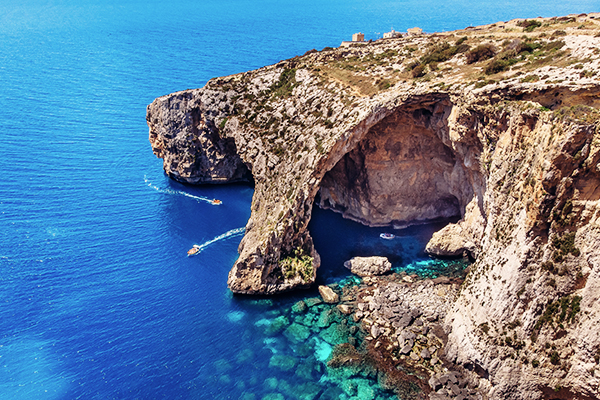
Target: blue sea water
97, 297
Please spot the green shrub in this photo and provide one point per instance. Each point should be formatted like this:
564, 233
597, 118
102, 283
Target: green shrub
285, 85
500, 63
575, 307
535, 363
461, 41
556, 45
298, 264
529, 25
485, 328
481, 52
418, 71
443, 52
554, 358
565, 245
530, 78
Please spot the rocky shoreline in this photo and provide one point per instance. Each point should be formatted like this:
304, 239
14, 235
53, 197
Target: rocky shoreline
497, 126
402, 319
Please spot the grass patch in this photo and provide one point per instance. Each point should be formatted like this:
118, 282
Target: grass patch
578, 113
285, 84
298, 264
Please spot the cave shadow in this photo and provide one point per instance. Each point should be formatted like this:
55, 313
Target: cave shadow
337, 239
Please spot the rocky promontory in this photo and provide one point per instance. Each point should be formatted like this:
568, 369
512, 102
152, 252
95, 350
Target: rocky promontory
496, 125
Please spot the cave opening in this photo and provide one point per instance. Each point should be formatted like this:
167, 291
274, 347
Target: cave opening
400, 174
400, 178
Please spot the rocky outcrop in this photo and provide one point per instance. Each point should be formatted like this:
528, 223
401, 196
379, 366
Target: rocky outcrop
420, 128
189, 142
368, 266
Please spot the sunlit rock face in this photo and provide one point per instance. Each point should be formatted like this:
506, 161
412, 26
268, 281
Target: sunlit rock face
401, 173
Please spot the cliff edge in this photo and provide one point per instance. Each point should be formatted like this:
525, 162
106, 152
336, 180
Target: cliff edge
497, 125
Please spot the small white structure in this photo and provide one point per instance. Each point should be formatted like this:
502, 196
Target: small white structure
392, 34
414, 31
358, 37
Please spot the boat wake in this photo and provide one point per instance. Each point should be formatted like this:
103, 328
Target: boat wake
226, 235
181, 193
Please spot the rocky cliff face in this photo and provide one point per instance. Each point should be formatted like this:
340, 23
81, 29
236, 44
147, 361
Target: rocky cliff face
497, 125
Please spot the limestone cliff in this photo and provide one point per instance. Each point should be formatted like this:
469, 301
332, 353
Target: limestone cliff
497, 125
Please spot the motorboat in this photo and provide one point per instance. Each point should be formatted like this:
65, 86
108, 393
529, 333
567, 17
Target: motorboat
216, 202
387, 236
194, 250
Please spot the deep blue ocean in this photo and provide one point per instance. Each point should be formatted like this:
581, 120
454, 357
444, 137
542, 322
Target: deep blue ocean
97, 297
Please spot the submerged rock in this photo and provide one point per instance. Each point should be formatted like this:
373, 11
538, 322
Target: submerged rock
297, 333
368, 266
282, 362
335, 334
299, 307
277, 325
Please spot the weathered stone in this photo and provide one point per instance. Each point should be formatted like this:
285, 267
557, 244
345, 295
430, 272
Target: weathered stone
328, 295
375, 331
425, 354
368, 266
455, 389
450, 241
434, 384
403, 322
344, 309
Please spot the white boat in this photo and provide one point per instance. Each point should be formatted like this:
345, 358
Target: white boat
387, 236
194, 250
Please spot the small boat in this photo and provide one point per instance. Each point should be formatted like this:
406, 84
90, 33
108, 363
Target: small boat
194, 250
216, 202
388, 236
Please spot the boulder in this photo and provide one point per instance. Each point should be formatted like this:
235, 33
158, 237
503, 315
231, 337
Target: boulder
451, 241
368, 266
328, 295
344, 309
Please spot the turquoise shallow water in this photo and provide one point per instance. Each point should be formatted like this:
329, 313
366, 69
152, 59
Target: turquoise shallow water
97, 297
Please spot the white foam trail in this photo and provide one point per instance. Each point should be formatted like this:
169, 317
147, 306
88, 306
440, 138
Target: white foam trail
228, 234
179, 192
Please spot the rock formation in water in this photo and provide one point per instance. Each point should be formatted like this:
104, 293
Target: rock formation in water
497, 125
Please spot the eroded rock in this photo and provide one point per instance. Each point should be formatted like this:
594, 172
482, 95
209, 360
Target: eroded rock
368, 266
328, 295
